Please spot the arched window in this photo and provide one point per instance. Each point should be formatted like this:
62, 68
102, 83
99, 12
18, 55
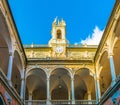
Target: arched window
1, 100
59, 34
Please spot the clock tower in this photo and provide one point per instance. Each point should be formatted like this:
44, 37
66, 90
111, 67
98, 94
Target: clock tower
58, 42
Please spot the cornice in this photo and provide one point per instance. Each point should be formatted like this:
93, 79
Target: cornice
59, 62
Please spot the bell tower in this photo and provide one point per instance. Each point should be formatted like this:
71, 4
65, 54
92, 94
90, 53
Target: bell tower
58, 42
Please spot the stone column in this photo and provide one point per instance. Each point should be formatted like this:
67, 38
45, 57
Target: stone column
97, 85
10, 63
69, 97
89, 95
112, 69
72, 90
22, 93
48, 91
30, 99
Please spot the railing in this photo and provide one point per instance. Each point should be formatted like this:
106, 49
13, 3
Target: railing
110, 91
60, 102
85, 102
70, 45
35, 102
34, 45
82, 46
110, 87
10, 89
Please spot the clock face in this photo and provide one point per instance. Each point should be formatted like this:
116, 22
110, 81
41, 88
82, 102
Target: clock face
59, 49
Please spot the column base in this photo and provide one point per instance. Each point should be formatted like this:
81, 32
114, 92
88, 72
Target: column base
113, 83
30, 103
48, 102
10, 82
97, 100
73, 101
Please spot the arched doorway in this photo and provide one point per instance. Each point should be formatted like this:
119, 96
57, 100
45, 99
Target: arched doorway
60, 84
36, 84
116, 56
105, 74
84, 85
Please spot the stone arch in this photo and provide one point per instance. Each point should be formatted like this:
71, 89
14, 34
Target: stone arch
68, 70
5, 31
20, 55
60, 84
18, 60
100, 54
5, 43
116, 45
104, 73
89, 69
84, 83
36, 83
116, 55
17, 70
36, 67
117, 28
113, 44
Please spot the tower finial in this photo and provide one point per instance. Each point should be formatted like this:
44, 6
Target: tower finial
63, 22
55, 20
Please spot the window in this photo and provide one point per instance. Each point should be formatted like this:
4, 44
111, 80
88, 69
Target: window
59, 35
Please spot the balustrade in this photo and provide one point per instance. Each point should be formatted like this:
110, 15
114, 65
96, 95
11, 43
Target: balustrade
60, 102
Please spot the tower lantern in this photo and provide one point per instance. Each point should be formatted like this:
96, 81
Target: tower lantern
58, 42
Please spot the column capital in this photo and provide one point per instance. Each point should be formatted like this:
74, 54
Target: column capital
48, 78
10, 82
22, 74
72, 79
89, 92
96, 77
110, 54
11, 53
112, 67
30, 94
22, 79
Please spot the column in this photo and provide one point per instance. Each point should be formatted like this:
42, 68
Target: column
48, 91
10, 63
30, 99
69, 97
89, 97
97, 85
22, 86
112, 69
72, 87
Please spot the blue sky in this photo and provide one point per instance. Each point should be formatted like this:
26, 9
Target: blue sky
84, 18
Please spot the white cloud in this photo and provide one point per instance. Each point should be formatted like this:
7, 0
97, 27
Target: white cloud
95, 38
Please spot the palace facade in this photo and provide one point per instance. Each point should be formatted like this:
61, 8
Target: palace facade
59, 72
